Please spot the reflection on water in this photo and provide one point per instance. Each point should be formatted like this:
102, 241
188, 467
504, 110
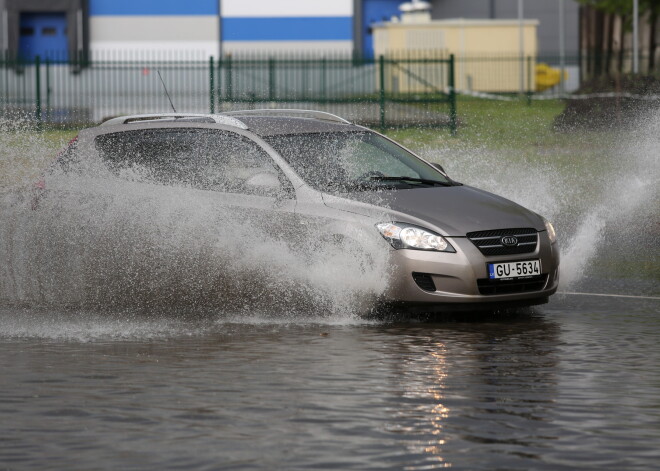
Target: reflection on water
474, 380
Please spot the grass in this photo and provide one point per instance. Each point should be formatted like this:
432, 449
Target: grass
524, 131
499, 123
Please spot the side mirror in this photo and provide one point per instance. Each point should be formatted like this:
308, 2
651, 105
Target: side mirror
438, 167
265, 184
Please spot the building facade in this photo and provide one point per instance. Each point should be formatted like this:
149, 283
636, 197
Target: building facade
62, 29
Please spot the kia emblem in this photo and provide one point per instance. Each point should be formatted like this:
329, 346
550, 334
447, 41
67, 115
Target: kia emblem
509, 241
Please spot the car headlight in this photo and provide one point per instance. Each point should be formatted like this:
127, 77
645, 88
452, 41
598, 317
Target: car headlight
407, 236
551, 231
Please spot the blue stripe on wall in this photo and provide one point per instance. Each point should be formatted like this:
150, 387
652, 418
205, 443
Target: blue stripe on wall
288, 29
153, 7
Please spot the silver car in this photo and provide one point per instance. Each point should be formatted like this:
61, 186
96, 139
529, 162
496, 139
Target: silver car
448, 246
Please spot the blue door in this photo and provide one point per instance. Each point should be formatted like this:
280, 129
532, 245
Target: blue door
375, 11
43, 35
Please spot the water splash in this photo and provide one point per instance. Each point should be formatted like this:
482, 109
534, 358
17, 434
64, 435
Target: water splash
99, 242
580, 249
24, 153
625, 220
603, 206
87, 326
136, 246
81, 326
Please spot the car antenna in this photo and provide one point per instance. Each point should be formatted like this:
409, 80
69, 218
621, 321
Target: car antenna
165, 88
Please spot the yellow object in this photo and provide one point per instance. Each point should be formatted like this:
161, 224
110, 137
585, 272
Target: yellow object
547, 77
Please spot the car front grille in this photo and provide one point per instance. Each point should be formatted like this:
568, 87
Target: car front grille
424, 281
518, 285
490, 242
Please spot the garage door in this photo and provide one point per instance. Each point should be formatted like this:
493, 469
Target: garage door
43, 35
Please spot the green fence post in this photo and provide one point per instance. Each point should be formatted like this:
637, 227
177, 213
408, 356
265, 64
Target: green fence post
271, 79
324, 71
452, 96
218, 92
47, 89
304, 68
5, 65
529, 80
230, 85
211, 87
37, 91
381, 61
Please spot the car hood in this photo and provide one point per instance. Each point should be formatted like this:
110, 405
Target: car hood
454, 211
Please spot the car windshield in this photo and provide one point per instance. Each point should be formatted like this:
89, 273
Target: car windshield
350, 161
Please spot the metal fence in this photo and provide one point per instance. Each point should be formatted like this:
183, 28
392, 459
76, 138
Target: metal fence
401, 89
388, 91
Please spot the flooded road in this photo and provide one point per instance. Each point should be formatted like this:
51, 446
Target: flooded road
573, 384
269, 367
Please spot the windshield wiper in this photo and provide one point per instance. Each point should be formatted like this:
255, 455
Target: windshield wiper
404, 178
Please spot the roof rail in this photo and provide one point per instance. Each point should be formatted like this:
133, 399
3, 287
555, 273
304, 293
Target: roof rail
138, 118
292, 113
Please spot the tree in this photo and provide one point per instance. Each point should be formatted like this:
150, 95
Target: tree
601, 19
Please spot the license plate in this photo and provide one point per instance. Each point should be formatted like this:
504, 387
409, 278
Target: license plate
514, 269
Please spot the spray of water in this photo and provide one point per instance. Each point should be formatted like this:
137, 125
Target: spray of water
173, 248
99, 242
24, 153
604, 209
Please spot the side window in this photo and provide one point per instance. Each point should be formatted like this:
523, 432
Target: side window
204, 159
246, 166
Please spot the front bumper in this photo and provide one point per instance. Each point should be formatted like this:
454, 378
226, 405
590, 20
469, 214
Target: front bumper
455, 276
